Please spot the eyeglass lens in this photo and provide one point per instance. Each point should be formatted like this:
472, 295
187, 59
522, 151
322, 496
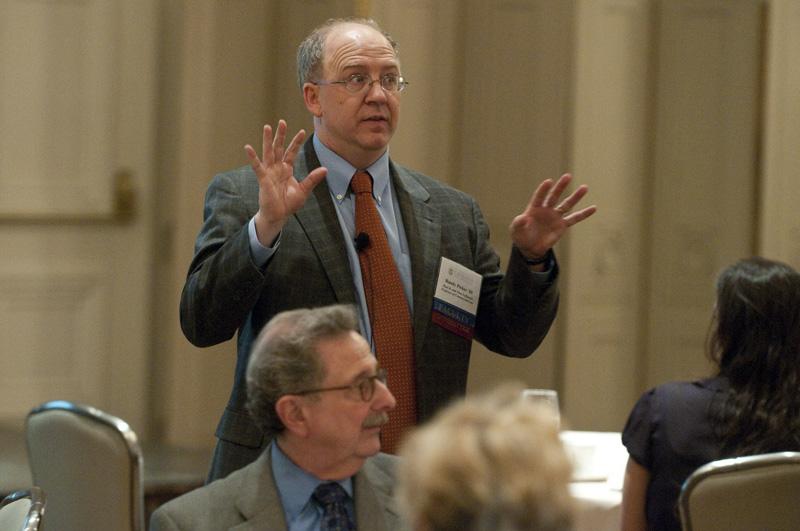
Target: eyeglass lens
367, 386
389, 82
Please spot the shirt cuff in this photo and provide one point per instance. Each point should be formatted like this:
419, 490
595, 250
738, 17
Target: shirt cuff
258, 252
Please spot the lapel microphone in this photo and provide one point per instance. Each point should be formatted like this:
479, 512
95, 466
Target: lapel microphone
361, 241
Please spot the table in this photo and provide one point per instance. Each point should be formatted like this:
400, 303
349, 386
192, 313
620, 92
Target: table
598, 460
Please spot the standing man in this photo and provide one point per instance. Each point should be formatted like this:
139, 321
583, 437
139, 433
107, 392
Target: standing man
313, 385
336, 220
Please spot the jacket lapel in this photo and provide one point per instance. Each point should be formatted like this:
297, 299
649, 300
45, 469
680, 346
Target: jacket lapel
258, 499
320, 224
423, 232
373, 503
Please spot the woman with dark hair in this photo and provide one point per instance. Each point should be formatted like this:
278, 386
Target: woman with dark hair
751, 405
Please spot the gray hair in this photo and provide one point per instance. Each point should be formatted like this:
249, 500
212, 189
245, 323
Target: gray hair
310, 53
284, 358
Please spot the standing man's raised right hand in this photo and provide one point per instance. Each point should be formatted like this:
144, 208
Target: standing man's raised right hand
279, 194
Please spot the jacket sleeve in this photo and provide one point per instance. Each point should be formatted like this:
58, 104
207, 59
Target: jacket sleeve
515, 310
223, 282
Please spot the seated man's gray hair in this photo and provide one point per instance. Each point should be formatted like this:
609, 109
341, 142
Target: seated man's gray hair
284, 359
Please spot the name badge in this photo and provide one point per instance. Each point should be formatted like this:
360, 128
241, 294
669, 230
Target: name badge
455, 302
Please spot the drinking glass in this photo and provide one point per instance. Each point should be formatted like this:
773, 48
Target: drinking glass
546, 397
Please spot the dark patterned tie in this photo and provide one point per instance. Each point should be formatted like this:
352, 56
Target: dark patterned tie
388, 314
331, 497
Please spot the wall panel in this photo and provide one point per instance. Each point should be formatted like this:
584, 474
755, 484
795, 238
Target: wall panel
74, 46
705, 171
604, 323
53, 340
514, 124
779, 234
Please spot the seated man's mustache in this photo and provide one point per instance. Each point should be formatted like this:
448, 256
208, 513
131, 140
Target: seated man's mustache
376, 420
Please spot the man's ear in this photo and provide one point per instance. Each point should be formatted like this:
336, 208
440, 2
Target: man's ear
311, 99
291, 411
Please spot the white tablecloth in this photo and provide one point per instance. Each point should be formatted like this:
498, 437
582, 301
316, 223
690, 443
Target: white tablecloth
598, 460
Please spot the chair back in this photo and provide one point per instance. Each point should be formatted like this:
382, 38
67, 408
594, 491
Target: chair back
743, 493
90, 465
22, 510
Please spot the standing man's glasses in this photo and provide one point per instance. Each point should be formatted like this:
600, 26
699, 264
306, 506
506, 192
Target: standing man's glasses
355, 83
365, 386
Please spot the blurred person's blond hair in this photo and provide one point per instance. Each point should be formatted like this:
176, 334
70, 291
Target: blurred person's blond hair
490, 462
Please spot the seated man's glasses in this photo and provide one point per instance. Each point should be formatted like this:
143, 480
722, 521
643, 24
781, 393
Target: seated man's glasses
365, 386
355, 83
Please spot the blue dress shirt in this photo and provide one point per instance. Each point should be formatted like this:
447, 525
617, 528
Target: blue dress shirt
295, 487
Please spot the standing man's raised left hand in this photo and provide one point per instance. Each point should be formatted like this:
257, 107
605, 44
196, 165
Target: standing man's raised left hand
547, 217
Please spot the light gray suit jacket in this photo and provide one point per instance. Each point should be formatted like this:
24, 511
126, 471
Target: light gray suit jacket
248, 500
226, 292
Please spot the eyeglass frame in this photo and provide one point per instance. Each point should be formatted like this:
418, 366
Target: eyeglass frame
401, 83
367, 383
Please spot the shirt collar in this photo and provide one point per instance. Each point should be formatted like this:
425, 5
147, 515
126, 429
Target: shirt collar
340, 172
295, 485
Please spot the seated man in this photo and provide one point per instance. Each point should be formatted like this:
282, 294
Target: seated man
313, 386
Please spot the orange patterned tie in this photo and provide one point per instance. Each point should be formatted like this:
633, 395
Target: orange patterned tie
388, 312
